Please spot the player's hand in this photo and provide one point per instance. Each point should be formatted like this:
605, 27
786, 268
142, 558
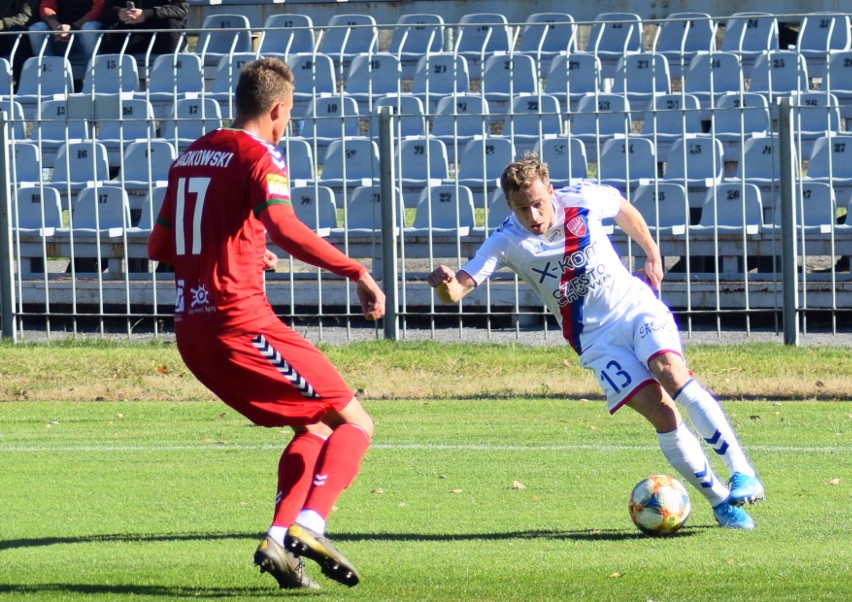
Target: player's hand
269, 261
371, 297
653, 272
441, 275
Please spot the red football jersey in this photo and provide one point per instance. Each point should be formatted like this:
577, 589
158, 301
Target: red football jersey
215, 189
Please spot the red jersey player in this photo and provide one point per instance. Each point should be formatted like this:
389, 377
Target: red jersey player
225, 193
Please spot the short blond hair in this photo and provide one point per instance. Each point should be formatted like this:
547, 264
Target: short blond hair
522, 173
263, 83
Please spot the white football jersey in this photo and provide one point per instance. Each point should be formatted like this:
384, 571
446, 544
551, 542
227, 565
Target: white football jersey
573, 266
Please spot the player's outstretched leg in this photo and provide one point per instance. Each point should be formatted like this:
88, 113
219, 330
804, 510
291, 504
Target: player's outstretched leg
302, 541
287, 569
713, 426
732, 517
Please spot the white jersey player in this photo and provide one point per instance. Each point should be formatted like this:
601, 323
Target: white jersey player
556, 242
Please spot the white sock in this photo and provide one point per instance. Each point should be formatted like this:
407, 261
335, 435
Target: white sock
712, 425
683, 451
311, 520
277, 534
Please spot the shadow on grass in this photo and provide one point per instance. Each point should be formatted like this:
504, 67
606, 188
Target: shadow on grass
574, 535
161, 592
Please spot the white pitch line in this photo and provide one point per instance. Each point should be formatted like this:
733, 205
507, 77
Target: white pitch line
396, 447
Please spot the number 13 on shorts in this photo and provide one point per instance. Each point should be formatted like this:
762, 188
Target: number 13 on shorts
614, 378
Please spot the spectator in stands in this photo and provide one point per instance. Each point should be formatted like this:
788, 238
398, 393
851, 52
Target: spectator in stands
168, 16
15, 16
556, 242
74, 22
226, 193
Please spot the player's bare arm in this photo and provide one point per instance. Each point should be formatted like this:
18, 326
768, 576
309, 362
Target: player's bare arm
634, 225
450, 286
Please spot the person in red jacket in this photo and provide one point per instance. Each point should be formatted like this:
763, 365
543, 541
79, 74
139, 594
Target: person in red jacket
69, 20
225, 193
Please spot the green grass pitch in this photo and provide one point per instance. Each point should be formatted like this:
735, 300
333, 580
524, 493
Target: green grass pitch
517, 499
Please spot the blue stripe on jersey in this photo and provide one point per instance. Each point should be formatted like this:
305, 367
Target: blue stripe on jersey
576, 231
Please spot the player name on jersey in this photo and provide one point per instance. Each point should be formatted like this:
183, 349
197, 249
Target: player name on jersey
210, 158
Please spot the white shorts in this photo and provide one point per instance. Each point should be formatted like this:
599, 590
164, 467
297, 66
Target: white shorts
619, 352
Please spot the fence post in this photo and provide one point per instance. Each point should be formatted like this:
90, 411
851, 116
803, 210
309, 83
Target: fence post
390, 269
8, 328
789, 273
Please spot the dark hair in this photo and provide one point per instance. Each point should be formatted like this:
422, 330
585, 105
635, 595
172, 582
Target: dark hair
262, 83
523, 173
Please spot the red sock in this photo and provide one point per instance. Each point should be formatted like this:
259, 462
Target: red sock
337, 467
295, 473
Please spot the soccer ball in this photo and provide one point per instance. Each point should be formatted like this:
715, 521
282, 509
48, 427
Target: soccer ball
659, 505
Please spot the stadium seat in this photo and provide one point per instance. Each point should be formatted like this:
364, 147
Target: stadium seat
315, 75
669, 117
816, 207
816, 114
111, 74
478, 36
38, 211
172, 77
458, 119
531, 117
697, 164
135, 120
421, 161
711, 74
438, 75
625, 163
348, 163
681, 35
831, 162
15, 116
760, 166
414, 36
222, 35
79, 163
225, 80
408, 108
750, 34
287, 33
190, 119
25, 165
665, 207
613, 35
497, 213
737, 117
820, 34
42, 78
444, 211
544, 35
572, 76
299, 156
565, 157
7, 83
102, 210
149, 210
145, 164
598, 118
316, 207
507, 75
53, 128
641, 76
838, 80
330, 118
779, 73
481, 163
347, 36
371, 76
731, 207
364, 211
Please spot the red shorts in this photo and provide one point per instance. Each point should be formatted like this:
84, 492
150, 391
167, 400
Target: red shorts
273, 377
